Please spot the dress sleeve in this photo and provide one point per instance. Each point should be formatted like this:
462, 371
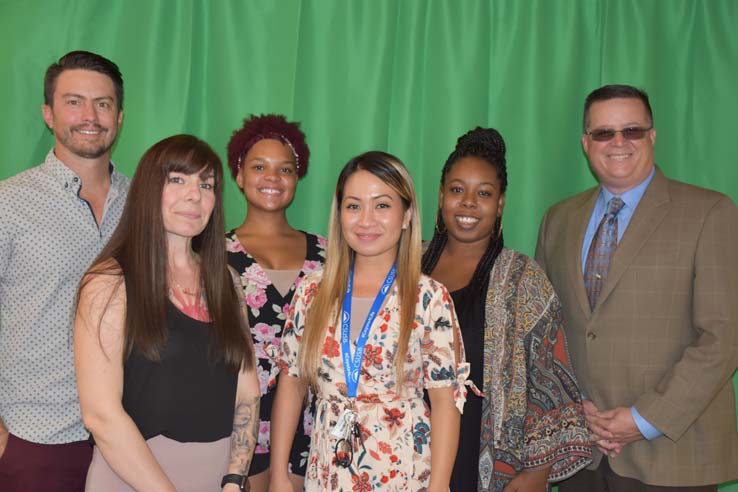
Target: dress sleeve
444, 360
555, 428
286, 356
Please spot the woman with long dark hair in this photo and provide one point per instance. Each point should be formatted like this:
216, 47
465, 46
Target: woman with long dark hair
165, 369
267, 156
369, 333
526, 426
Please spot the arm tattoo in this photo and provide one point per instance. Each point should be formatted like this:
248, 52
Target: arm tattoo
243, 437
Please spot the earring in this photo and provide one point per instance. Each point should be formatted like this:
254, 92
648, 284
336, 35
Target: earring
404, 226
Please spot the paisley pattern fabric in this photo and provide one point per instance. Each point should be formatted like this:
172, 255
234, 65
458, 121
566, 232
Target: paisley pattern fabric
531, 413
394, 420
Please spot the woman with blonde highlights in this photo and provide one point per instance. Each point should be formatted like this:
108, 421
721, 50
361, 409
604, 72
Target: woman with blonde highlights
369, 334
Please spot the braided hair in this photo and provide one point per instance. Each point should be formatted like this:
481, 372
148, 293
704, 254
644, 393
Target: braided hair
486, 144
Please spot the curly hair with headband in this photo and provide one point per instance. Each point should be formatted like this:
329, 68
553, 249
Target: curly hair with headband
272, 126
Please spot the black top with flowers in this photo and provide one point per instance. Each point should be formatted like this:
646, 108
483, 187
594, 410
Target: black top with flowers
267, 313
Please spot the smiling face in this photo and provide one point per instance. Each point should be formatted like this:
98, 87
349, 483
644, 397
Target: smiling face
84, 116
372, 217
619, 164
187, 202
471, 200
268, 175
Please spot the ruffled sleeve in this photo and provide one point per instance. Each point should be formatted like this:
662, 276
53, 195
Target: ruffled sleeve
444, 359
555, 427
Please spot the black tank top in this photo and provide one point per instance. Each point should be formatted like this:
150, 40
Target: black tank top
185, 396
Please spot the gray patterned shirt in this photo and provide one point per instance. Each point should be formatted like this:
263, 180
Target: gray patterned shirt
48, 239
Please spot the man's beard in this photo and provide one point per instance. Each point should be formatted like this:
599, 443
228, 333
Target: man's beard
86, 150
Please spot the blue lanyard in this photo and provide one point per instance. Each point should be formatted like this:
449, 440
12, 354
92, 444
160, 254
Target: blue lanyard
352, 366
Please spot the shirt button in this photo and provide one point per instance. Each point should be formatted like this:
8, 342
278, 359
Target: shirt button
598, 276
591, 336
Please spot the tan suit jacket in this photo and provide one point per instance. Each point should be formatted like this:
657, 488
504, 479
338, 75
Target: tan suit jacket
664, 334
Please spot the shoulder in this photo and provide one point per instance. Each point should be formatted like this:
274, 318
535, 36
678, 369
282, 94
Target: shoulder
524, 264
308, 285
102, 275
516, 271
232, 243
680, 192
120, 180
317, 245
24, 185
102, 288
432, 292
563, 207
428, 284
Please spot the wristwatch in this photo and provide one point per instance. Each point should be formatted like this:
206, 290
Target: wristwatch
240, 480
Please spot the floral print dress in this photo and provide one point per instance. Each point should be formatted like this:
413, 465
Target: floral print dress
267, 310
395, 422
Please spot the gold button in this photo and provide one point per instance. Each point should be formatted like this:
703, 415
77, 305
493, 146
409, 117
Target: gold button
591, 336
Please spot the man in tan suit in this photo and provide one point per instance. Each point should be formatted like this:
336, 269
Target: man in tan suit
656, 343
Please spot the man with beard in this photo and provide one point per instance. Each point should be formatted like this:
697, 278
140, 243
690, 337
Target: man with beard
54, 220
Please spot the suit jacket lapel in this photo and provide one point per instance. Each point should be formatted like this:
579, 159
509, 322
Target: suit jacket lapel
576, 228
650, 212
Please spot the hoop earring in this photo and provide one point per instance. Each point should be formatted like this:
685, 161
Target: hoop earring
497, 232
440, 227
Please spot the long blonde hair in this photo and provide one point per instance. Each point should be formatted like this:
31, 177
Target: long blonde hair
324, 308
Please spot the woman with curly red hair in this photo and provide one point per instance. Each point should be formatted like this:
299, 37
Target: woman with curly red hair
267, 156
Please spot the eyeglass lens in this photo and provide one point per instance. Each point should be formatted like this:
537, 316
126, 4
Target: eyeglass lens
634, 133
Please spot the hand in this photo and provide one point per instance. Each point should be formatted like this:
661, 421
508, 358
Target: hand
280, 482
618, 425
232, 487
4, 435
616, 428
606, 446
529, 481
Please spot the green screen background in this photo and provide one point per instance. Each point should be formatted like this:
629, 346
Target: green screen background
407, 77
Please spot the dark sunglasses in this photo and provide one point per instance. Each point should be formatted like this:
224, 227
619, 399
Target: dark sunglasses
631, 133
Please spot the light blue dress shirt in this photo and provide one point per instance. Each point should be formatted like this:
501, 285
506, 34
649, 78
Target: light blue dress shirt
631, 199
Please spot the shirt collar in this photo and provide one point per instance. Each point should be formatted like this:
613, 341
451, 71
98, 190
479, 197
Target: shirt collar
632, 197
68, 179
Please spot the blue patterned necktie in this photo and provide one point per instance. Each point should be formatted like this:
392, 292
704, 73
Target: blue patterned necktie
601, 250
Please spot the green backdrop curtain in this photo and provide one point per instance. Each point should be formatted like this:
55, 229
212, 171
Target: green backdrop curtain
407, 77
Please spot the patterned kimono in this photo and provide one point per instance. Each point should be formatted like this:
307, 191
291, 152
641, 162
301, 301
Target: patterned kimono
531, 413
395, 425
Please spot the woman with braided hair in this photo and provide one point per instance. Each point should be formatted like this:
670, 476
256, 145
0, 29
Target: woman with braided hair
526, 426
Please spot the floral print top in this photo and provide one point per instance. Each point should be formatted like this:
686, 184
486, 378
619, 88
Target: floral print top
267, 310
395, 422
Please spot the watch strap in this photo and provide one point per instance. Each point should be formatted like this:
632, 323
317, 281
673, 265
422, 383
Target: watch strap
234, 478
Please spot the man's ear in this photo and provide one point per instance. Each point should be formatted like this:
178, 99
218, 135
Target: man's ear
48, 113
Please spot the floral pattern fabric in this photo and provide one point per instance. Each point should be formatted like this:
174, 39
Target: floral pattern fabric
394, 420
267, 311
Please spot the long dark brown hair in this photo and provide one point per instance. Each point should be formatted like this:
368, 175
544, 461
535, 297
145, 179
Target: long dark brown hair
137, 252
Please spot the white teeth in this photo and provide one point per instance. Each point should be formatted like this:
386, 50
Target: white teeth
89, 132
467, 220
270, 191
619, 157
